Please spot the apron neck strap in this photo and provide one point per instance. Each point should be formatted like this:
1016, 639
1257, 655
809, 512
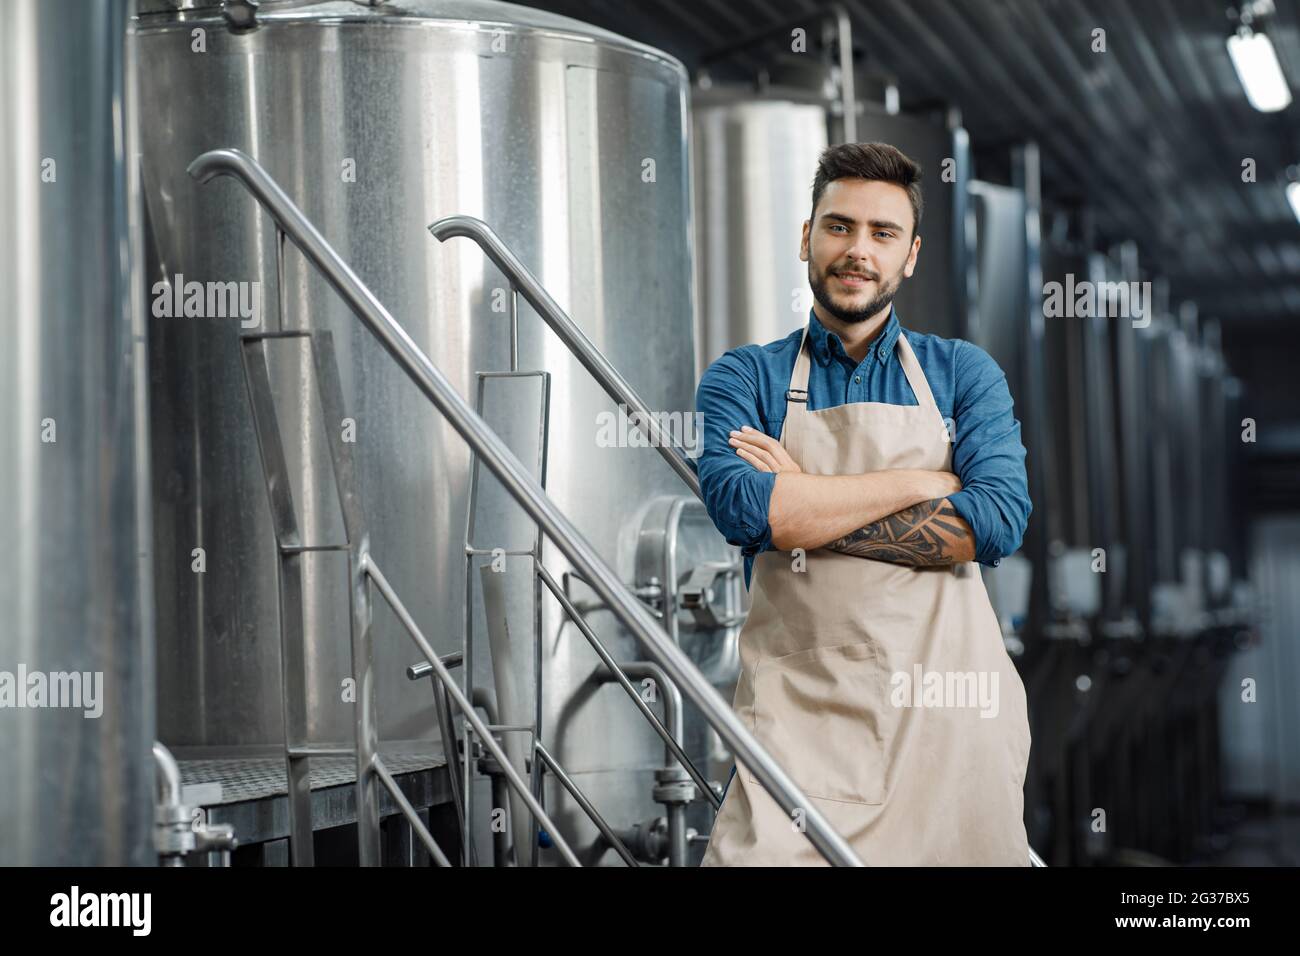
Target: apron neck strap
915, 376
796, 396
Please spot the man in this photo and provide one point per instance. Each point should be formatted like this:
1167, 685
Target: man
864, 469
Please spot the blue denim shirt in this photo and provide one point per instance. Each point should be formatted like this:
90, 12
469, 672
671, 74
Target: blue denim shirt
746, 386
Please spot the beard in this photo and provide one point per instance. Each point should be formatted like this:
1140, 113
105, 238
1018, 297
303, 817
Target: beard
849, 312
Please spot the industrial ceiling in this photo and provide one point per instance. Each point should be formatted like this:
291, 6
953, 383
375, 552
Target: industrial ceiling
1149, 135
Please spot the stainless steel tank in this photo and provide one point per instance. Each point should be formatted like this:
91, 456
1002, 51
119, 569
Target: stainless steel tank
571, 143
76, 784
1217, 448
932, 300
1000, 252
1067, 513
755, 159
1085, 388
1176, 478
997, 313
1129, 360
1101, 330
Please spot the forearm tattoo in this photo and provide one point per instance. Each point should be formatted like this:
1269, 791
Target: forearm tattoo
923, 535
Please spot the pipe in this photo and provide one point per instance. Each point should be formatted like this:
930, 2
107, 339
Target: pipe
169, 776
173, 835
677, 842
484, 699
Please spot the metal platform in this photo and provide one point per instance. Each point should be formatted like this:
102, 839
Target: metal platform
253, 794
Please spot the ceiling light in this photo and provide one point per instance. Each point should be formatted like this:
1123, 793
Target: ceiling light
1293, 197
1255, 61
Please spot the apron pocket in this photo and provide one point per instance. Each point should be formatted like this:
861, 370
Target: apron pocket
824, 715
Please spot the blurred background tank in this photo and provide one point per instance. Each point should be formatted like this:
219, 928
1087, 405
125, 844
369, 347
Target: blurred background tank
571, 143
755, 159
931, 301
997, 260
75, 588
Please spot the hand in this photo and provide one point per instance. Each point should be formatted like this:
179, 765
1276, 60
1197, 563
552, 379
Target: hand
945, 483
763, 451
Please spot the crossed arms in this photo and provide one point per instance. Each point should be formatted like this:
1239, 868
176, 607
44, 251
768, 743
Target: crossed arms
902, 516
912, 517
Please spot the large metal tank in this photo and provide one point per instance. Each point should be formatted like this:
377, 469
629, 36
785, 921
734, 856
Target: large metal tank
931, 300
76, 784
997, 263
1001, 256
1177, 489
1101, 329
755, 159
1067, 514
1130, 342
1233, 532
1219, 443
1084, 517
571, 143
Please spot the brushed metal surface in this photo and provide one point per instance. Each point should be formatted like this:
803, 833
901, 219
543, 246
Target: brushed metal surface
571, 143
754, 165
75, 588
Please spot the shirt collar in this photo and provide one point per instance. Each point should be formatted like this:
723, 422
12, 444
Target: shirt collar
826, 345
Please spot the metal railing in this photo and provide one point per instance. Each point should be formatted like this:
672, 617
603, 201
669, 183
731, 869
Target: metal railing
514, 478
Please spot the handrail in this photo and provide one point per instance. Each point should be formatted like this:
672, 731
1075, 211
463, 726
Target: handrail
524, 488
606, 375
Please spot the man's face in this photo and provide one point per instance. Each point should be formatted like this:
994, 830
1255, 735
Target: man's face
859, 247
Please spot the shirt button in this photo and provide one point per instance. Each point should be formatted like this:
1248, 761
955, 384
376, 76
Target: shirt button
857, 378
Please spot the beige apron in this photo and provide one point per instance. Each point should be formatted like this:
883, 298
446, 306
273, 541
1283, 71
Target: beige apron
910, 774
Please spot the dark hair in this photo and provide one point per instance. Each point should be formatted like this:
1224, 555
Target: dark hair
878, 161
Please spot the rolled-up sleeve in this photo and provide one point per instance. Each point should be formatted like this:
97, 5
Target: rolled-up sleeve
988, 456
736, 493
